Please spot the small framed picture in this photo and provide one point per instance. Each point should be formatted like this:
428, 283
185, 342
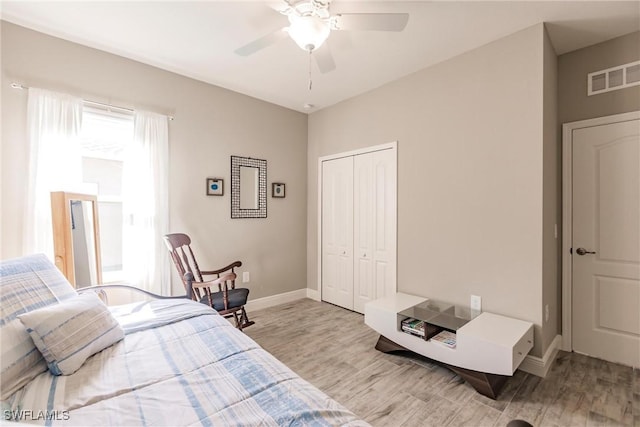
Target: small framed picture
215, 186
277, 189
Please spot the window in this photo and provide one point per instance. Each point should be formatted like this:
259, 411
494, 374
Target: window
103, 137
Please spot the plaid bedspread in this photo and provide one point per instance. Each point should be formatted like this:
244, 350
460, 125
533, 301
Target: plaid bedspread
179, 364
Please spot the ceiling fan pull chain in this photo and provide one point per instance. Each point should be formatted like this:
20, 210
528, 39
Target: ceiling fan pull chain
310, 81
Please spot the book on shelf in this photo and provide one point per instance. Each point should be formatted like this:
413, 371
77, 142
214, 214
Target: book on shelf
413, 326
445, 338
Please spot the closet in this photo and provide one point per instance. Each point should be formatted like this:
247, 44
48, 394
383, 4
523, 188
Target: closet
358, 226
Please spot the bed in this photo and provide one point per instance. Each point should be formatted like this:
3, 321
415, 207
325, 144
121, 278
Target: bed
172, 362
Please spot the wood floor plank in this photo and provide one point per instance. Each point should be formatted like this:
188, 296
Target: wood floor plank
437, 412
570, 409
475, 414
333, 349
398, 409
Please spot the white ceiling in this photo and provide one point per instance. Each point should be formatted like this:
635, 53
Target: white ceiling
198, 39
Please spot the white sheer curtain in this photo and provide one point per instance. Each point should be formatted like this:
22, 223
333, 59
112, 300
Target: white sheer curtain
145, 204
54, 121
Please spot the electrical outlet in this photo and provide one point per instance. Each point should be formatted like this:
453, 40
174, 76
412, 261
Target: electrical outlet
246, 277
555, 231
546, 313
476, 303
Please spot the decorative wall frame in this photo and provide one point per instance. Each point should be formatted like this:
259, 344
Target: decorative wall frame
278, 190
248, 187
215, 187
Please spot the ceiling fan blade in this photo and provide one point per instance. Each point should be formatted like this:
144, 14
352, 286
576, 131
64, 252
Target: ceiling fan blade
372, 21
262, 42
280, 6
324, 59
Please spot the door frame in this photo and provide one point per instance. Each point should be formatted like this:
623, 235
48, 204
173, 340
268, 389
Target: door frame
567, 212
390, 145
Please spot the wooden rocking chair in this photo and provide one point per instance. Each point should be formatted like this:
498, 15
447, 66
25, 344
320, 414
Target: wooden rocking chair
220, 293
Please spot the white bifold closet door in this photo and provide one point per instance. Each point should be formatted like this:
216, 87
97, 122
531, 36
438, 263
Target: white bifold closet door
374, 234
359, 228
337, 232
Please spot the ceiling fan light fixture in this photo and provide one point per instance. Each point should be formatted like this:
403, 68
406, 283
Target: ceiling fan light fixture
309, 32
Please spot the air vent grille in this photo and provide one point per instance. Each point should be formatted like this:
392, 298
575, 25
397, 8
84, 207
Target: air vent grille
614, 78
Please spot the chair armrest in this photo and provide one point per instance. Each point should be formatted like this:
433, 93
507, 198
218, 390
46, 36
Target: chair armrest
222, 270
192, 284
220, 282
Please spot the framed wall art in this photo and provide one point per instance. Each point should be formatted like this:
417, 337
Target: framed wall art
277, 190
215, 187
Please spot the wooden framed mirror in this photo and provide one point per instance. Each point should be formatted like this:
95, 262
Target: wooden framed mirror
76, 237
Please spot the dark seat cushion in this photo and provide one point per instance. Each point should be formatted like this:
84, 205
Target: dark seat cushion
237, 298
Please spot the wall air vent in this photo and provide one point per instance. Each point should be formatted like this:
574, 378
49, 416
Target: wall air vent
615, 78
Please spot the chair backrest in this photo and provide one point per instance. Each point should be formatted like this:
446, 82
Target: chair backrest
179, 246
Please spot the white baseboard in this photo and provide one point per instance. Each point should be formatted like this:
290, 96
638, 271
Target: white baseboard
313, 294
270, 301
540, 366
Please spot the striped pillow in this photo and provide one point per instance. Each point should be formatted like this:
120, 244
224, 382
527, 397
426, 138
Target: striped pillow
69, 333
26, 284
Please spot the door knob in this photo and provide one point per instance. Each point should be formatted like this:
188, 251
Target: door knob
583, 251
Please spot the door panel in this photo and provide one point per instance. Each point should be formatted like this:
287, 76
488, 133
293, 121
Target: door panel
606, 220
375, 226
616, 299
337, 232
364, 217
385, 224
618, 210
385, 279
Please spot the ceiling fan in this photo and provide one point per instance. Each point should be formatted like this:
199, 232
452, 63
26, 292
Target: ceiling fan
310, 23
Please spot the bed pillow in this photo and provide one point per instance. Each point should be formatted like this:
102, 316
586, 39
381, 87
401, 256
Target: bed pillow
69, 333
26, 283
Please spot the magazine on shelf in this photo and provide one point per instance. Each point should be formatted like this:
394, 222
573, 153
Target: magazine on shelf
445, 338
413, 326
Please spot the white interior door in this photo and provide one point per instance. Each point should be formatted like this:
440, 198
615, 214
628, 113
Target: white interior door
375, 226
337, 232
606, 242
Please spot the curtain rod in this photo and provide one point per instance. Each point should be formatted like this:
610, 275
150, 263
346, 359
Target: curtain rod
86, 101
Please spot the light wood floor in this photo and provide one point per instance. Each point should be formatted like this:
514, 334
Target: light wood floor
333, 349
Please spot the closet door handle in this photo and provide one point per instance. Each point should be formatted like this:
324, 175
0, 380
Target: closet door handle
583, 251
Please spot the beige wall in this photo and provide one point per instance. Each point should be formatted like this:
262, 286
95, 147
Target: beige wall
211, 125
470, 174
573, 67
552, 202
573, 102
